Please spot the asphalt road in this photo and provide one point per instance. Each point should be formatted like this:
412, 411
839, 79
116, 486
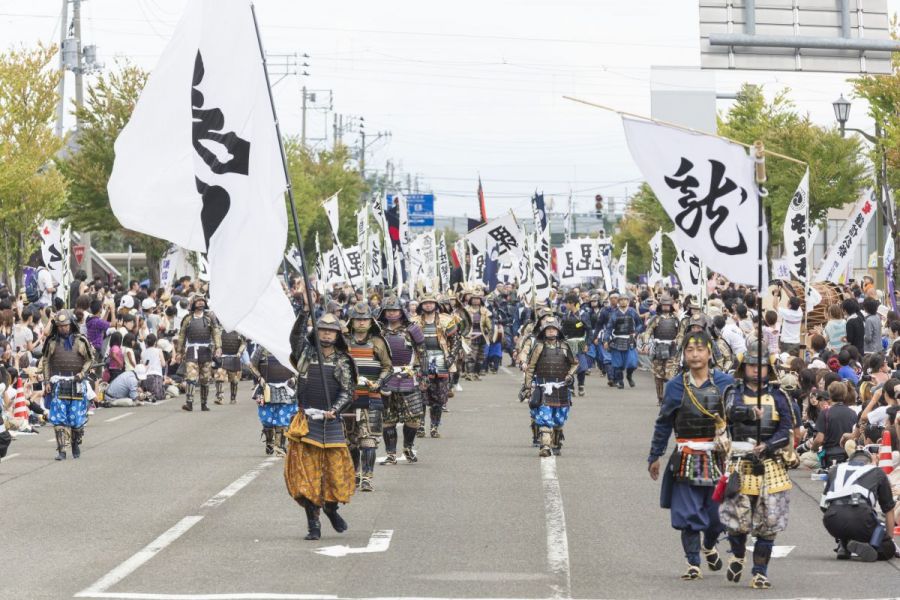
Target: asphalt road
169, 505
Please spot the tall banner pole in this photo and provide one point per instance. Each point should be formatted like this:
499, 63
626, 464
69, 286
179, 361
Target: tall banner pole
761, 192
290, 193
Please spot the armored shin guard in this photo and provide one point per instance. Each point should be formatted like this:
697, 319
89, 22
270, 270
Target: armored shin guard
77, 436
189, 386
545, 440
660, 389
61, 434
367, 461
280, 441
436, 411
762, 552
535, 435
331, 511
204, 396
269, 434
409, 435
556, 441
220, 392
354, 456
390, 439
234, 385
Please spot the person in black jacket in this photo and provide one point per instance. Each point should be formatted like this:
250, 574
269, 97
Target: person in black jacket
855, 327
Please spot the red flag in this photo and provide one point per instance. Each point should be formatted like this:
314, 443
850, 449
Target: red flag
481, 201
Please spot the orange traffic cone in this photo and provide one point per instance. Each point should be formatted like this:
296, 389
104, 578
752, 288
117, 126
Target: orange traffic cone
885, 457
20, 406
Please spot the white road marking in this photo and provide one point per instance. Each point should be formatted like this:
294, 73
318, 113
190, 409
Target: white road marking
239, 483
507, 371
142, 556
238, 596
10, 456
122, 416
557, 539
379, 542
777, 551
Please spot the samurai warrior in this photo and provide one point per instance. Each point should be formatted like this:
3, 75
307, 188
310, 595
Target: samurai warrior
623, 324
318, 471
199, 340
401, 391
478, 336
550, 373
275, 396
665, 335
576, 328
364, 417
440, 338
761, 421
693, 406
65, 363
233, 345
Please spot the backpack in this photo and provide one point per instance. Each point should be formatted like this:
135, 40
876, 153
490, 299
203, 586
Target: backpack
32, 289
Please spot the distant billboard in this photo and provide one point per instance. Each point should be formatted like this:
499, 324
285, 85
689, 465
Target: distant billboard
836, 36
421, 209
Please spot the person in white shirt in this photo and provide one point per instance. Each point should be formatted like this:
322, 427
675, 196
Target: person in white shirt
732, 334
47, 287
791, 320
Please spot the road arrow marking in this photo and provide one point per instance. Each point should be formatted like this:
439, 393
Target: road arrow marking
379, 542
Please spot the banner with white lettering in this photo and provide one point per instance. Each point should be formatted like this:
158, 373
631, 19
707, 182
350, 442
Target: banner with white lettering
796, 231
656, 259
841, 254
707, 187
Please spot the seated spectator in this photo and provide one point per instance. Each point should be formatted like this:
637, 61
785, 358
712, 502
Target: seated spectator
847, 372
125, 390
154, 359
115, 357
833, 424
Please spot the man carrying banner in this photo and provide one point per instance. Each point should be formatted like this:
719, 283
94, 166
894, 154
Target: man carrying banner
363, 419
275, 397
550, 372
478, 336
761, 420
233, 345
693, 407
440, 338
199, 340
623, 325
576, 328
401, 391
665, 334
65, 362
318, 471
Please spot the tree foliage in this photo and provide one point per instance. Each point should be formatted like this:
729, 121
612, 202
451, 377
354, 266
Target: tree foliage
31, 188
837, 171
107, 109
315, 177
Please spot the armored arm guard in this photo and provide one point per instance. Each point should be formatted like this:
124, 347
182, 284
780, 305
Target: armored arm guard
87, 352
736, 411
380, 349
533, 357
182, 332
215, 329
344, 373
254, 363
297, 338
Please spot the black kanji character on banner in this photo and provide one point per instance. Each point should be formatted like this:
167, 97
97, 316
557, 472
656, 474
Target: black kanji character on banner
691, 218
569, 269
354, 260
587, 252
207, 125
505, 240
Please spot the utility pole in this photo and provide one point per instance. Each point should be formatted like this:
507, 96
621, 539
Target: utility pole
362, 147
334, 135
61, 88
79, 70
303, 125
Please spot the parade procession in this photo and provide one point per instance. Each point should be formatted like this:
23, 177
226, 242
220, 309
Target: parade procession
542, 300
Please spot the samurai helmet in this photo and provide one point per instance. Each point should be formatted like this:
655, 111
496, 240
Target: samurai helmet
197, 298
392, 303
328, 322
756, 354
666, 299
427, 297
548, 322
362, 310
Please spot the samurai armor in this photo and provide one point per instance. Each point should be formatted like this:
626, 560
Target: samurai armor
231, 363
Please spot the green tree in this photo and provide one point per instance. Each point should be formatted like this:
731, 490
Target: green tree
31, 189
108, 107
315, 177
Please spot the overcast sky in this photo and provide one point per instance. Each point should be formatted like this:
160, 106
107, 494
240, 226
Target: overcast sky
463, 87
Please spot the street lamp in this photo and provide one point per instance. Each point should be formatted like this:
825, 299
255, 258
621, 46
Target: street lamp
841, 111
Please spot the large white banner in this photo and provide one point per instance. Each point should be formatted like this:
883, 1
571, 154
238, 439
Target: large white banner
171, 264
403, 217
52, 250
578, 260
503, 232
540, 266
332, 211
621, 274
444, 263
378, 208
201, 144
707, 187
797, 229
840, 256
656, 259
